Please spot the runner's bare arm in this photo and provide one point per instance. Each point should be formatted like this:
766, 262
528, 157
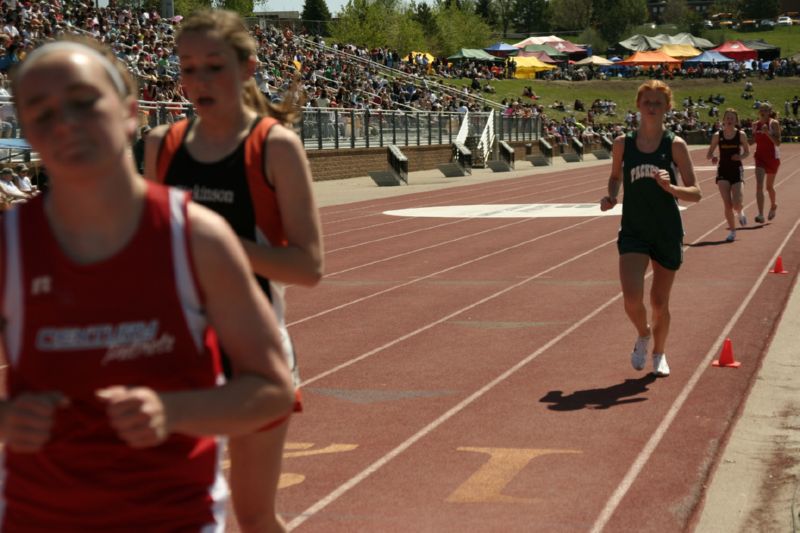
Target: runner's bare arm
745, 147
712, 147
261, 389
775, 132
615, 179
288, 171
689, 192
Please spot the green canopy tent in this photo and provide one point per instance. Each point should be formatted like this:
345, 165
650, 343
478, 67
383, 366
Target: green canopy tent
474, 54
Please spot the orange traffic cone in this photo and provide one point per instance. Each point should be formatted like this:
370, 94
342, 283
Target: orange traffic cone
726, 357
778, 268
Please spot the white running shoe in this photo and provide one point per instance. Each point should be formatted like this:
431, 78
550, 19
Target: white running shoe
742, 219
639, 355
731, 236
660, 366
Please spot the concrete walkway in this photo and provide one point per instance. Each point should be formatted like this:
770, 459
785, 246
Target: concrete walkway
754, 487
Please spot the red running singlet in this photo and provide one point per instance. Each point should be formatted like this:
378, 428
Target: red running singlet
133, 319
767, 155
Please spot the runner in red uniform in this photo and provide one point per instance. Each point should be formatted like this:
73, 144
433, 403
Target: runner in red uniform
767, 138
114, 394
240, 157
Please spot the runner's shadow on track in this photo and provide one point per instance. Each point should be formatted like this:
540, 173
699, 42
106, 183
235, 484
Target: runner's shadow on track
717, 243
599, 398
708, 243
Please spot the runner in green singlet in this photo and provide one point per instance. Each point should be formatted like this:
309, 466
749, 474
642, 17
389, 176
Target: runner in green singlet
645, 162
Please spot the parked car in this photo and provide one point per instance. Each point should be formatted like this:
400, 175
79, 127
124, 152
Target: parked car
784, 21
767, 24
748, 25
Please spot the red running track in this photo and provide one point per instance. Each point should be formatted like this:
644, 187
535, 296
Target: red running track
474, 375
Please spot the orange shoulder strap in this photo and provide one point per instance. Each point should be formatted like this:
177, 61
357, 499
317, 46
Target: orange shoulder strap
254, 150
265, 201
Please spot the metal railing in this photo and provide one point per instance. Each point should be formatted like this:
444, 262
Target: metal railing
336, 128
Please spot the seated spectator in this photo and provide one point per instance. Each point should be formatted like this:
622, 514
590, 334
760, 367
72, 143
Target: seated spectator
9, 192
23, 181
578, 105
528, 91
588, 135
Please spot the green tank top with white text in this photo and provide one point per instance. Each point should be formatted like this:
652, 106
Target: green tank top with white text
648, 211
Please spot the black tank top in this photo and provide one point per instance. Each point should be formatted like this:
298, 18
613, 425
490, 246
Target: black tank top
728, 148
221, 186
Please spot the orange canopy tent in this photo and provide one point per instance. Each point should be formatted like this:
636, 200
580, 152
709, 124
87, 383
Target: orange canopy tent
646, 59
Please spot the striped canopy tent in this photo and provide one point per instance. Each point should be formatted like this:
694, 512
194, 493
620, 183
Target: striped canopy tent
680, 51
537, 40
565, 47
737, 51
646, 59
527, 67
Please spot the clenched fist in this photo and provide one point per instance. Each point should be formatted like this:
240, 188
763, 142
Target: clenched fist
29, 418
137, 414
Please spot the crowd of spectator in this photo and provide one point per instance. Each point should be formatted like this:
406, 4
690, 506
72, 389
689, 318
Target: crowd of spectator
344, 75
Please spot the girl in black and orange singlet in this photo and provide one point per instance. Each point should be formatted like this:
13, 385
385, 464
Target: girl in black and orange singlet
239, 158
114, 402
733, 148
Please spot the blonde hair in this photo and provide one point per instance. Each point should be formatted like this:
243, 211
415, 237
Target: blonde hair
735, 114
231, 29
655, 85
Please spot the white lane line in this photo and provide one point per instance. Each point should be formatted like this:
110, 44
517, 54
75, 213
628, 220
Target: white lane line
661, 430
445, 318
416, 250
632, 473
438, 272
374, 467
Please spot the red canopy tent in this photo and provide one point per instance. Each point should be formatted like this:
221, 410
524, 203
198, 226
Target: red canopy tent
542, 56
650, 59
737, 51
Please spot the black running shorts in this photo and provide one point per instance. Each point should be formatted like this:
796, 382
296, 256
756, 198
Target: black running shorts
666, 252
